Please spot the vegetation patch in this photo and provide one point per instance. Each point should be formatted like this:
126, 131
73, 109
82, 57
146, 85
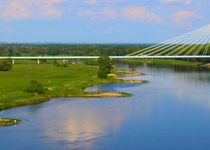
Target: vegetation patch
6, 122
5, 65
164, 61
56, 81
124, 69
60, 63
105, 66
123, 74
35, 87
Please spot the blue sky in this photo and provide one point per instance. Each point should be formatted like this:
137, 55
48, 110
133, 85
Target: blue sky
100, 21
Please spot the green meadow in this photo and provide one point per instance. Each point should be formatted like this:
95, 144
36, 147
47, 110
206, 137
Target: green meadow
57, 81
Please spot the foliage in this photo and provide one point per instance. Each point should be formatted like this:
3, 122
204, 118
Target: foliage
5, 121
65, 49
60, 64
102, 73
69, 61
6, 65
43, 60
105, 66
35, 87
91, 62
105, 63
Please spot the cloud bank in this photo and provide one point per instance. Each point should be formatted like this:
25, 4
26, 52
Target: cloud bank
30, 9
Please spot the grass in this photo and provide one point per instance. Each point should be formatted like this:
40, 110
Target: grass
164, 61
6, 122
58, 82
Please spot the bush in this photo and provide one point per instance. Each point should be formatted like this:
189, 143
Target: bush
43, 60
69, 61
91, 62
65, 65
60, 64
102, 74
6, 65
35, 87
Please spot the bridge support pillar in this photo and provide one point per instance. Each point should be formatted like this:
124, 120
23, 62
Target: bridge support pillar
38, 61
13, 61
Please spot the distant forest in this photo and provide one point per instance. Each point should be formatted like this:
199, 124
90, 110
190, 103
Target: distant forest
71, 50
75, 50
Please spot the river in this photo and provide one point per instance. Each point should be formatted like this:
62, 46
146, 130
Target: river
171, 112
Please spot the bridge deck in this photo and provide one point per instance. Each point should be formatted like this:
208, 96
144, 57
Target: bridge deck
95, 57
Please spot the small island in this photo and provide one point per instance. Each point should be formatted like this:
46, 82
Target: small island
7, 122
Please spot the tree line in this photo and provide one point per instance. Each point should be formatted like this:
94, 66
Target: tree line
72, 50
86, 50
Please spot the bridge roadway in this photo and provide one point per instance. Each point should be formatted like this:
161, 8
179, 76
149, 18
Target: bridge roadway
113, 57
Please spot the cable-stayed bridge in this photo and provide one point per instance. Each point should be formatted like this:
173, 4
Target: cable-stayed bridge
194, 44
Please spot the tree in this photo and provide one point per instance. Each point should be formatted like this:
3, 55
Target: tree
105, 63
6, 65
105, 66
102, 74
53, 50
35, 87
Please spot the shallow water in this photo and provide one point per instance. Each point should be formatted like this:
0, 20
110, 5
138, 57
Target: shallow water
171, 112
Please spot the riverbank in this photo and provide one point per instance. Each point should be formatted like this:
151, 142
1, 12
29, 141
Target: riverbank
164, 61
7, 122
58, 82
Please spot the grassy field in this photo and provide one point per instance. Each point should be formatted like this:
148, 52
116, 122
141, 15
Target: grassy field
58, 82
164, 61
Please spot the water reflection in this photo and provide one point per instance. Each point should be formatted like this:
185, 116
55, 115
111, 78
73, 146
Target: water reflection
83, 125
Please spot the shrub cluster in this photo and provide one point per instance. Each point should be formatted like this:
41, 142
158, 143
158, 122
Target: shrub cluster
6, 65
91, 62
35, 87
60, 64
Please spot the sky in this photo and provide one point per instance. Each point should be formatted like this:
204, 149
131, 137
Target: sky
100, 21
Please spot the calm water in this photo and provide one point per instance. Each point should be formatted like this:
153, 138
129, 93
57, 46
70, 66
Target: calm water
172, 112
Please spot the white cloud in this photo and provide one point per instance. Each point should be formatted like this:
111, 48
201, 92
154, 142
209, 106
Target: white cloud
105, 14
91, 2
183, 18
30, 9
187, 2
141, 14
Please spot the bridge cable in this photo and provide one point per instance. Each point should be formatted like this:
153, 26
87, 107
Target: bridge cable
191, 50
190, 44
168, 40
175, 44
178, 44
166, 46
202, 45
196, 45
